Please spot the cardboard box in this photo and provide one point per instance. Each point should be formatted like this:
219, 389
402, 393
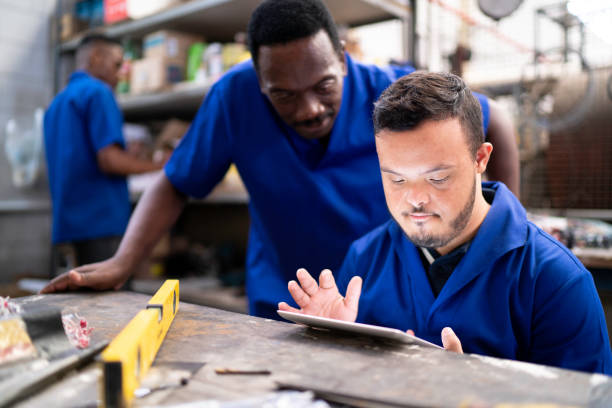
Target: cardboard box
70, 26
143, 8
168, 44
119, 10
155, 74
115, 10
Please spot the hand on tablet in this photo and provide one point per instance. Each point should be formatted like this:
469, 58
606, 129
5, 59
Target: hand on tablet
450, 341
323, 299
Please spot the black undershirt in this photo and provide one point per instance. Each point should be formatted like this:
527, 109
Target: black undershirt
443, 266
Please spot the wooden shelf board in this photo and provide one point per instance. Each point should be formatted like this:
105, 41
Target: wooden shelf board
186, 99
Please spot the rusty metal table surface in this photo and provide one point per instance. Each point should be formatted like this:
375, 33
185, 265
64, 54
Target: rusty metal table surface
373, 371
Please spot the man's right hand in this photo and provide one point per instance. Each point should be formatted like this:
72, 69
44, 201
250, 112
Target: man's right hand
109, 274
323, 299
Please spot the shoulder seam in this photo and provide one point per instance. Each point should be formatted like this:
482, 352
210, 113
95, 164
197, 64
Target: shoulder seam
568, 253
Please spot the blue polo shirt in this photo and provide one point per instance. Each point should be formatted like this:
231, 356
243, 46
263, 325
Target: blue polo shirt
307, 202
517, 293
87, 203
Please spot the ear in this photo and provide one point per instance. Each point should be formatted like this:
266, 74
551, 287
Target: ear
483, 154
343, 60
259, 79
95, 55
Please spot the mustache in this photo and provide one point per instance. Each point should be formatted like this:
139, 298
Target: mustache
421, 210
317, 120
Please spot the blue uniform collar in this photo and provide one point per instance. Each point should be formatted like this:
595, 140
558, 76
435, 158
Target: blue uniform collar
80, 74
503, 229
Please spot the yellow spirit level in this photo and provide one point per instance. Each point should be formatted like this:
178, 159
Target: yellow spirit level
128, 357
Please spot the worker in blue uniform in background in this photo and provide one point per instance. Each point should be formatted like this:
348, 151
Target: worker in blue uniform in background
296, 121
458, 264
86, 158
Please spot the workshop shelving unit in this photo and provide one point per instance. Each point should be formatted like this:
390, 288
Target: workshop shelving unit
217, 20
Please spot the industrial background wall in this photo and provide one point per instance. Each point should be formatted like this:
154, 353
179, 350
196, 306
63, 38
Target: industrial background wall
25, 84
579, 165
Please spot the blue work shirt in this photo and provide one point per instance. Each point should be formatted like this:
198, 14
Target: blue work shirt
308, 202
87, 203
517, 293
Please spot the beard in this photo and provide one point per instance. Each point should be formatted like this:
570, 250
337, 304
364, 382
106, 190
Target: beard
429, 240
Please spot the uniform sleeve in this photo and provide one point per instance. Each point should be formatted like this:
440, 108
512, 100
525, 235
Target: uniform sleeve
484, 106
104, 120
568, 324
203, 156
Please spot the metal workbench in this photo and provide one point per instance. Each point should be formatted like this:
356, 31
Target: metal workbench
357, 370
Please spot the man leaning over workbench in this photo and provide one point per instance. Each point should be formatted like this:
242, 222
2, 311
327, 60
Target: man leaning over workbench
296, 121
458, 259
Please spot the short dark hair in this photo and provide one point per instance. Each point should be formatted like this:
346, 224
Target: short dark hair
422, 96
97, 38
281, 21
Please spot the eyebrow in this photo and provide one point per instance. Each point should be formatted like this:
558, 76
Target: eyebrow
432, 170
276, 90
325, 78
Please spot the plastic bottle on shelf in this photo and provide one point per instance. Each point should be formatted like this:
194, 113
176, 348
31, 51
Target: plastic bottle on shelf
233, 54
129, 54
236, 52
23, 148
194, 60
213, 61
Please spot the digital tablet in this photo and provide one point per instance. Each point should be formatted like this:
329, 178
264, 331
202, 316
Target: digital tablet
356, 328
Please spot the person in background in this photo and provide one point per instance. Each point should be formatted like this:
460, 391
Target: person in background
296, 121
458, 263
86, 158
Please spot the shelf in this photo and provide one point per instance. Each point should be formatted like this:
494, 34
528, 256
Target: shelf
12, 206
219, 20
599, 258
225, 192
215, 197
178, 101
598, 214
220, 196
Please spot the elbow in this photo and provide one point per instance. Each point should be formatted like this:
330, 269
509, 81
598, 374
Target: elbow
105, 160
104, 164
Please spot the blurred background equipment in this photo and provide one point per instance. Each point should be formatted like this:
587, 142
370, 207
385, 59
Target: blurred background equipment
578, 157
498, 9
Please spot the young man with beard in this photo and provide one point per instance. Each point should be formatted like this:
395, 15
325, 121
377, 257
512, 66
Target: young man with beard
296, 121
458, 259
